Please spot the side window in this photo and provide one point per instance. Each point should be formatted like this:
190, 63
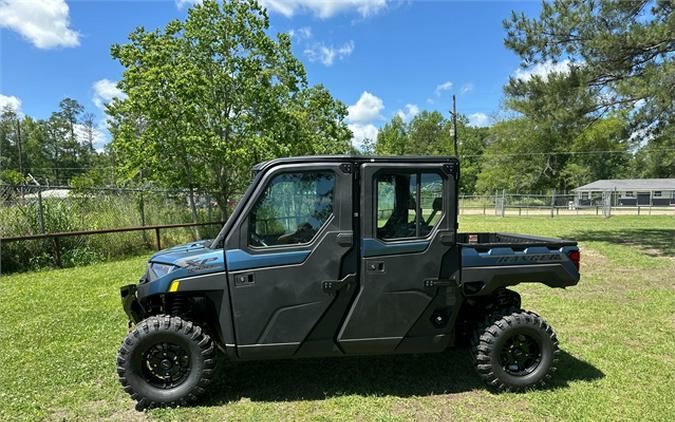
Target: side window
292, 209
409, 205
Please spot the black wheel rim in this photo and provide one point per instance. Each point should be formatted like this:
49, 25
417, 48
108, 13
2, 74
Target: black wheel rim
520, 355
166, 365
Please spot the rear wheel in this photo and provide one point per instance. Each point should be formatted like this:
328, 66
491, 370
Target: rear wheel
165, 361
515, 350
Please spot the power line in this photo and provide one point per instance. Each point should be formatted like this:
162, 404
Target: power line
487, 154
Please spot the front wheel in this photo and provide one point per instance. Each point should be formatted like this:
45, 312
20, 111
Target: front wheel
515, 350
165, 361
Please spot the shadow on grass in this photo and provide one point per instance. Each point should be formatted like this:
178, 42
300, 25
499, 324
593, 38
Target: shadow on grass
398, 375
653, 242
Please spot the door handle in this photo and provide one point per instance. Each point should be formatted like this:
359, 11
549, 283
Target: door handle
376, 267
345, 239
244, 279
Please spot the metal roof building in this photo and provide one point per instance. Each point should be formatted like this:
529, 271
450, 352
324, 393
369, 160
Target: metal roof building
656, 192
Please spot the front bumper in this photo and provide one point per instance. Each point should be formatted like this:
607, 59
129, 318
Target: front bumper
130, 303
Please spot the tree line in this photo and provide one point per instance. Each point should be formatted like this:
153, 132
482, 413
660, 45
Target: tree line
53, 151
208, 96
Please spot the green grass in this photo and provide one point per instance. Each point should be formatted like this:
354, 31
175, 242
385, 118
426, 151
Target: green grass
60, 329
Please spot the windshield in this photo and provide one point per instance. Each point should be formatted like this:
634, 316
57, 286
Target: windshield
218, 242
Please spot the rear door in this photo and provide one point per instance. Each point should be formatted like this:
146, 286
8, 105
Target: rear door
287, 254
408, 295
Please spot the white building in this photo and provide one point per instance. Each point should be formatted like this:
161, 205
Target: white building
628, 192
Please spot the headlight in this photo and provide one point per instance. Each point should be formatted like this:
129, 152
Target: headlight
156, 270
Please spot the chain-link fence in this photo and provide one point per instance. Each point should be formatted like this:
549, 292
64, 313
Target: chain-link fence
553, 205
34, 210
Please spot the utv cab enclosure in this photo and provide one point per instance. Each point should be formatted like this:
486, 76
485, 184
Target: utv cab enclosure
340, 256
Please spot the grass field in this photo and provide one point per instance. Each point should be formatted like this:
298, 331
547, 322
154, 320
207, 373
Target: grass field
60, 330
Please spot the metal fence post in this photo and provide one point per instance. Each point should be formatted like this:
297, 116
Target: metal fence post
159, 239
141, 207
41, 212
57, 252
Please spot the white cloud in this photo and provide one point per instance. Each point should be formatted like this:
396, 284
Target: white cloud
478, 119
182, 3
323, 8
408, 112
445, 86
361, 116
362, 132
468, 87
104, 92
366, 109
303, 33
328, 54
543, 70
45, 23
10, 102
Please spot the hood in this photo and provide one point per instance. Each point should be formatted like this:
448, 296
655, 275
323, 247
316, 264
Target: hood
194, 256
170, 255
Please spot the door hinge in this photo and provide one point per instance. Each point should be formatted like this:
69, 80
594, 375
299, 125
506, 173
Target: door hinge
434, 282
332, 286
452, 168
347, 168
447, 238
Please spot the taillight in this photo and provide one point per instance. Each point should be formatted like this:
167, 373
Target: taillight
575, 257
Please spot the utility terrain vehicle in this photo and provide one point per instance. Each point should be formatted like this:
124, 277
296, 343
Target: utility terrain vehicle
341, 256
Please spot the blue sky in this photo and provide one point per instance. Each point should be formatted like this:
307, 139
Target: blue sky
380, 57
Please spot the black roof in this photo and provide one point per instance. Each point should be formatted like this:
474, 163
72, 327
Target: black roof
356, 159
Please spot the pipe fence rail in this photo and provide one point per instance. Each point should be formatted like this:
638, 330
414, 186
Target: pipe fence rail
42, 226
55, 237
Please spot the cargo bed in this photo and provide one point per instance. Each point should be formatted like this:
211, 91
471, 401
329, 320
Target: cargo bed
493, 260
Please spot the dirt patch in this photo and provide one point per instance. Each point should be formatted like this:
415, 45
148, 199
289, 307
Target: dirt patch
460, 406
127, 415
60, 415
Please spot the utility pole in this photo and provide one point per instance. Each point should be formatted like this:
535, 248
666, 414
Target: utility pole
453, 113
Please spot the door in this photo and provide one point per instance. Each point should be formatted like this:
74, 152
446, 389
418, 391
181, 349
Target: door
408, 293
288, 255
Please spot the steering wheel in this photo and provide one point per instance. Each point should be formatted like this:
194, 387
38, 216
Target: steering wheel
258, 239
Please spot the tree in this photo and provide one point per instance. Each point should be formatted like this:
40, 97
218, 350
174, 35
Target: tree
622, 56
508, 162
392, 139
472, 143
89, 128
527, 155
11, 140
70, 111
209, 96
429, 134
